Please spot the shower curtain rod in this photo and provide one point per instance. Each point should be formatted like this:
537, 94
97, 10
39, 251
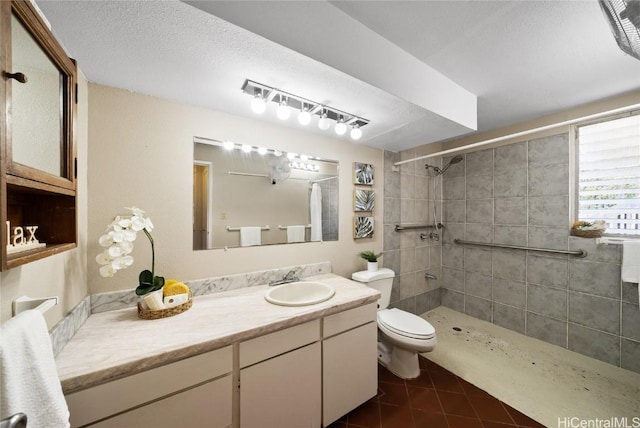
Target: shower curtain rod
579, 253
523, 133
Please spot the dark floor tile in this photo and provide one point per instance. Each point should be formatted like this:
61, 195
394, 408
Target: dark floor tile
456, 404
426, 364
423, 380
337, 424
489, 409
393, 393
471, 389
444, 381
488, 424
395, 416
366, 415
424, 399
462, 422
425, 419
385, 375
521, 419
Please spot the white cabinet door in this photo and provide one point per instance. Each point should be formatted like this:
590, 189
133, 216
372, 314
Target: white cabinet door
207, 405
283, 392
350, 371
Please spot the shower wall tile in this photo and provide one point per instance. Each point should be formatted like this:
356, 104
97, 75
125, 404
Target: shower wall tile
391, 238
477, 285
545, 270
509, 317
511, 211
455, 211
596, 252
479, 232
453, 188
453, 279
630, 355
408, 285
595, 312
549, 150
407, 260
509, 292
549, 180
477, 260
453, 256
391, 260
512, 156
391, 214
602, 279
510, 235
480, 187
453, 299
423, 284
433, 284
451, 232
408, 210
630, 321
407, 305
427, 301
422, 258
593, 343
435, 256
409, 167
407, 185
509, 264
480, 211
554, 238
547, 301
455, 170
423, 187
479, 163
422, 211
478, 308
408, 238
549, 211
547, 329
510, 183
630, 292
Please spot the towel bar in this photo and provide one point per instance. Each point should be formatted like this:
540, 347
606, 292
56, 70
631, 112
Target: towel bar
24, 303
281, 227
237, 229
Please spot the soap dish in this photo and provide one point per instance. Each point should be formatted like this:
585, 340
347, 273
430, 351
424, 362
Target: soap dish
148, 314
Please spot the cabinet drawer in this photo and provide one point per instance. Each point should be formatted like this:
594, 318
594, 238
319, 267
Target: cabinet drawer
268, 346
113, 397
346, 320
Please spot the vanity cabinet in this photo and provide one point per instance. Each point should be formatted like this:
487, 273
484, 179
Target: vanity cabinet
349, 361
196, 391
280, 379
38, 109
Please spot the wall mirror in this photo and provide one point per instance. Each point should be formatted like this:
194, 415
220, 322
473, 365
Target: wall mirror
246, 195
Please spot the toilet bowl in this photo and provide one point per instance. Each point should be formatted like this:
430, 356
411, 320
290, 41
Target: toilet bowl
401, 335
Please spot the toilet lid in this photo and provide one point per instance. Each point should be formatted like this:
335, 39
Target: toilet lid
406, 324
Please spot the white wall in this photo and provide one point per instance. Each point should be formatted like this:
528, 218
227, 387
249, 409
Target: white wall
65, 274
141, 153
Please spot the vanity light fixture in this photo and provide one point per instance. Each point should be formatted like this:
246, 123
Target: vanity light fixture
291, 155
246, 148
277, 153
264, 94
262, 150
229, 145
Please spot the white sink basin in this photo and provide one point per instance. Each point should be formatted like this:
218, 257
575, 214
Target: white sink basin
299, 293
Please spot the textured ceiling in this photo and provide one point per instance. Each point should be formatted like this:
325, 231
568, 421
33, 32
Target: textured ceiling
413, 68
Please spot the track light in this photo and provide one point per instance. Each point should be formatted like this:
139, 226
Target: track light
304, 118
356, 132
283, 111
324, 123
341, 127
246, 148
258, 104
228, 145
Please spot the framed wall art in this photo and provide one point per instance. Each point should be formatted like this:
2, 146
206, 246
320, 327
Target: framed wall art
363, 173
363, 227
363, 200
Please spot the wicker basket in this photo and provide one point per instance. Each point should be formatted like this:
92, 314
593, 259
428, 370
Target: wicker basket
148, 314
586, 233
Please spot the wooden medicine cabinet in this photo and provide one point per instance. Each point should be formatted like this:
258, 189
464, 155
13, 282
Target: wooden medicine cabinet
38, 161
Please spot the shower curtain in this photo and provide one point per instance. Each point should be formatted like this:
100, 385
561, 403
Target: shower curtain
315, 210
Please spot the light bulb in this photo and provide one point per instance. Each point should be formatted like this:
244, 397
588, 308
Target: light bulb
262, 150
324, 123
291, 155
258, 105
356, 132
304, 157
246, 148
304, 117
277, 153
341, 128
228, 145
283, 111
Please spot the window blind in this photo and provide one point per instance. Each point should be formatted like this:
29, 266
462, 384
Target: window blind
609, 174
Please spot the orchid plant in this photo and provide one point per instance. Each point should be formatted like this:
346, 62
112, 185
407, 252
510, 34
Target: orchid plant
118, 244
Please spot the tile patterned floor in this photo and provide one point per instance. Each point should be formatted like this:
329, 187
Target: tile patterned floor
436, 399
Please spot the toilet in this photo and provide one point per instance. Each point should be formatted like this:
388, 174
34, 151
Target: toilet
401, 335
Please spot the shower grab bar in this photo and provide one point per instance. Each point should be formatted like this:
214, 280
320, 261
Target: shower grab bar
237, 229
579, 253
400, 227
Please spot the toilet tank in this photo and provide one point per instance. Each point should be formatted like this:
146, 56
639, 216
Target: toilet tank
381, 280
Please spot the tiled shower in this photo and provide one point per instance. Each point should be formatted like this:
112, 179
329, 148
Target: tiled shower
516, 194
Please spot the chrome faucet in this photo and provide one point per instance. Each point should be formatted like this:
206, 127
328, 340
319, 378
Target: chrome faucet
287, 278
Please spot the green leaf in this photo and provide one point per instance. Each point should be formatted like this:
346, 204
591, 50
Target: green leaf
145, 277
143, 289
158, 282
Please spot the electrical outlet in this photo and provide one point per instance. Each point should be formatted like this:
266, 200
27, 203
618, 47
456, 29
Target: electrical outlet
223, 216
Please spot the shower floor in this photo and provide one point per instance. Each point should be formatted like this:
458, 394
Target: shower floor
545, 382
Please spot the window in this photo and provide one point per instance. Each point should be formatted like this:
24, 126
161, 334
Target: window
609, 173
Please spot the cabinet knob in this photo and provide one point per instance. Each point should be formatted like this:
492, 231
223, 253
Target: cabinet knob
20, 77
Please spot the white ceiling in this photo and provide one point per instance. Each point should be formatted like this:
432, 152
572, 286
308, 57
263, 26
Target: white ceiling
420, 71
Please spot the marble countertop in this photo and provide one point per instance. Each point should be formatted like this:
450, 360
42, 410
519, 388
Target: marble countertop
115, 344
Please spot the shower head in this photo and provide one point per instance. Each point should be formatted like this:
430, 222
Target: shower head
454, 160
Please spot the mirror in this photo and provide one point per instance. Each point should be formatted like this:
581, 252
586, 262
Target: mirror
245, 195
37, 110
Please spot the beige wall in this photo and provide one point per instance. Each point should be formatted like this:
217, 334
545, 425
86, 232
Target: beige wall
141, 154
65, 274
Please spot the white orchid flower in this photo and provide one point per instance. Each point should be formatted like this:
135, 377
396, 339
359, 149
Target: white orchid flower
138, 223
124, 223
107, 271
105, 240
149, 225
136, 211
103, 259
129, 235
122, 262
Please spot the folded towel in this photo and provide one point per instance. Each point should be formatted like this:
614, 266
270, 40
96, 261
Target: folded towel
295, 233
250, 236
30, 382
631, 261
